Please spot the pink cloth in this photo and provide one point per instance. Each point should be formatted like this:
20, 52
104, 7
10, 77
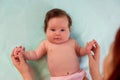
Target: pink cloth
76, 76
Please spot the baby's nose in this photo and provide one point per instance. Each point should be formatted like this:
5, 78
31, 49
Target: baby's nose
57, 33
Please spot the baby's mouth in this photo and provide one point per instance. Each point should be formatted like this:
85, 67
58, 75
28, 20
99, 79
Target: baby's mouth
57, 38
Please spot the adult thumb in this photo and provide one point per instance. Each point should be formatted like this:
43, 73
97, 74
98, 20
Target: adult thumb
90, 56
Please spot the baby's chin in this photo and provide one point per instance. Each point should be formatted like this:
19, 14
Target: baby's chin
58, 41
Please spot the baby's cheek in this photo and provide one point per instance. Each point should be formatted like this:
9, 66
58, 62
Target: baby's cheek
66, 35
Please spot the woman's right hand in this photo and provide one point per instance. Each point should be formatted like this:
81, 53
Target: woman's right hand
94, 58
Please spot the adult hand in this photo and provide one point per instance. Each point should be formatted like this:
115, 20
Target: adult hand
89, 46
22, 66
94, 58
18, 49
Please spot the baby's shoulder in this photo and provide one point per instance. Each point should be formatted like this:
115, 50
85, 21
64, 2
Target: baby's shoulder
45, 41
72, 40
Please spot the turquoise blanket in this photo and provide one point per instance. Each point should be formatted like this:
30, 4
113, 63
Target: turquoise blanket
21, 23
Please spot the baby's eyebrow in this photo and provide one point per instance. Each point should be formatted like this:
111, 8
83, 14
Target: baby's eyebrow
52, 28
63, 28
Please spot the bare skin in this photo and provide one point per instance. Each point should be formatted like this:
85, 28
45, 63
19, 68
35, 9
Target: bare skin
22, 66
94, 62
61, 50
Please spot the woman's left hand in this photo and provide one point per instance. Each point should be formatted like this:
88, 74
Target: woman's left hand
22, 66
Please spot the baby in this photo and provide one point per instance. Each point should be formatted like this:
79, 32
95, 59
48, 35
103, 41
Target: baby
62, 51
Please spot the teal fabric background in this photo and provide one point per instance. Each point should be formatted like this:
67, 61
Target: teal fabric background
21, 23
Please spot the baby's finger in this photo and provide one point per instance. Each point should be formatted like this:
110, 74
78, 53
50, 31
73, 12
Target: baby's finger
97, 45
19, 50
22, 59
22, 48
89, 46
16, 49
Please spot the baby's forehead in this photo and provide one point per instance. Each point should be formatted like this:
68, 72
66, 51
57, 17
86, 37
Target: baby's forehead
58, 27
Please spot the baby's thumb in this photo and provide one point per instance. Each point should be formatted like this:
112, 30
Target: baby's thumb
21, 57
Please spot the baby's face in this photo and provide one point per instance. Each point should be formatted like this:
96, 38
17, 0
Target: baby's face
58, 30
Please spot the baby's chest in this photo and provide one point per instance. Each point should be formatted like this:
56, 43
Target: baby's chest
61, 50
57, 52
61, 55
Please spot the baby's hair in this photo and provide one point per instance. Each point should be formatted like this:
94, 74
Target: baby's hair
55, 13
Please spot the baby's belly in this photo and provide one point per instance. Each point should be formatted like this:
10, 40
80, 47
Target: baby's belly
62, 72
63, 67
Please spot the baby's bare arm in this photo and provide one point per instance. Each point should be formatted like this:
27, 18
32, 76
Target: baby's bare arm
31, 55
87, 49
36, 54
83, 51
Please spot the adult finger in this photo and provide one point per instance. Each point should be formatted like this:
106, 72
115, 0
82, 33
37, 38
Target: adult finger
12, 54
14, 60
14, 50
97, 46
97, 51
90, 56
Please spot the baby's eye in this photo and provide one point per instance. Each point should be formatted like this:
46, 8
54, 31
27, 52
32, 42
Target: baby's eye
62, 30
52, 29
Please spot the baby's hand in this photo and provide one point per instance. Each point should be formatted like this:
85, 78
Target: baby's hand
19, 49
90, 46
